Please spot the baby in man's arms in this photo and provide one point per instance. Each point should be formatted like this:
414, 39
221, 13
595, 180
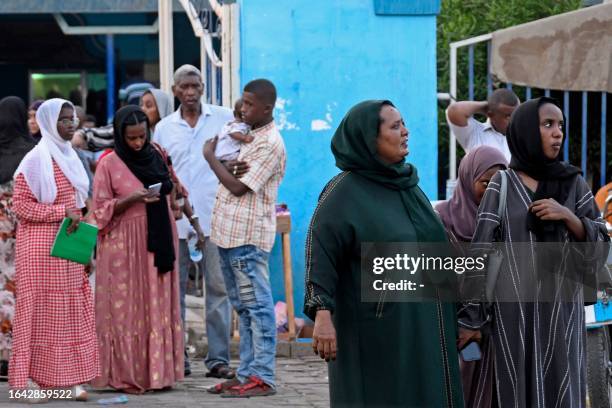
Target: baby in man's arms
233, 134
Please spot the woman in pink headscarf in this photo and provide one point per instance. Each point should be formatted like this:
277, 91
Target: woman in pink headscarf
458, 215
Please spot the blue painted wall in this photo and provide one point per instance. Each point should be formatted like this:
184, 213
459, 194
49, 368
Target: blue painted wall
325, 56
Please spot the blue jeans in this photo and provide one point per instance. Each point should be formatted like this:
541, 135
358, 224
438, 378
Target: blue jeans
245, 270
218, 307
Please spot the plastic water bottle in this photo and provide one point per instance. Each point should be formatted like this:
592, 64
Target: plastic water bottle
194, 253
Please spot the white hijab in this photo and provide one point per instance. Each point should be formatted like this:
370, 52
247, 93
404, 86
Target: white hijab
37, 165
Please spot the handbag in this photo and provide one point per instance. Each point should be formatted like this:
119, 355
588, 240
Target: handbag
496, 257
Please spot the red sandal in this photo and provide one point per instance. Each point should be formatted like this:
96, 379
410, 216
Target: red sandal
254, 387
224, 386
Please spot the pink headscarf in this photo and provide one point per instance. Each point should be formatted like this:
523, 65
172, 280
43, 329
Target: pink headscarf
459, 213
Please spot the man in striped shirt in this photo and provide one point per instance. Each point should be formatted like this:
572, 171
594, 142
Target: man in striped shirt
471, 133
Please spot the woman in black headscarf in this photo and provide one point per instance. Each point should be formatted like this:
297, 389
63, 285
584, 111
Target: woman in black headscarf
14, 139
536, 319
14, 144
393, 352
137, 287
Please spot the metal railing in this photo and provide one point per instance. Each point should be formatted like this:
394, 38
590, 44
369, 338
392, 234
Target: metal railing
213, 23
206, 24
470, 43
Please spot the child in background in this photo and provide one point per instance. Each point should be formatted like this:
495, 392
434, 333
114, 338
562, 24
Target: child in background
233, 134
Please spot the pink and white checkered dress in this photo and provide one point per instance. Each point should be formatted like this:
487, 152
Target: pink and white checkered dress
54, 337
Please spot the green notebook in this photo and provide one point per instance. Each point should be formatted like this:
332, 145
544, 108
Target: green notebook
77, 246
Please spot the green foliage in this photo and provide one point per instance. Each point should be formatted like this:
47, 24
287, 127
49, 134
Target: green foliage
461, 19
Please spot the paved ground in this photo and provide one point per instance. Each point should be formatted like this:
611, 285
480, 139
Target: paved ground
302, 382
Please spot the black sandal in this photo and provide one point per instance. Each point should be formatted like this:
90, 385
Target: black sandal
221, 371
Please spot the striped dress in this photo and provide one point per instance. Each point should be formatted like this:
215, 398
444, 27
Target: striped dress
539, 341
476, 376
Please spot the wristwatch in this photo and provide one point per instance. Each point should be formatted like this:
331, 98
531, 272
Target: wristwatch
193, 218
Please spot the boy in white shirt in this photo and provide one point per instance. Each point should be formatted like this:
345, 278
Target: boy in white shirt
471, 133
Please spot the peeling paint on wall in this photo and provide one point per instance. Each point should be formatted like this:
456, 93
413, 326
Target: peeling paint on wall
281, 115
318, 125
320, 71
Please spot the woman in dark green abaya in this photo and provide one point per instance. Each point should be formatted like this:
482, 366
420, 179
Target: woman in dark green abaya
393, 354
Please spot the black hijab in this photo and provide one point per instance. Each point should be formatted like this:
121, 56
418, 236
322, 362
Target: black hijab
149, 167
555, 178
14, 139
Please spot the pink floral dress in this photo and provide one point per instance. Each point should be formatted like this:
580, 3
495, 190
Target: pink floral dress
138, 318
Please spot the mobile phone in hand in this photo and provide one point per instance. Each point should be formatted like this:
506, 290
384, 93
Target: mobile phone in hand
471, 352
154, 188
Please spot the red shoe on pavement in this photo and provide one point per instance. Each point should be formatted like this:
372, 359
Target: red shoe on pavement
254, 387
224, 386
